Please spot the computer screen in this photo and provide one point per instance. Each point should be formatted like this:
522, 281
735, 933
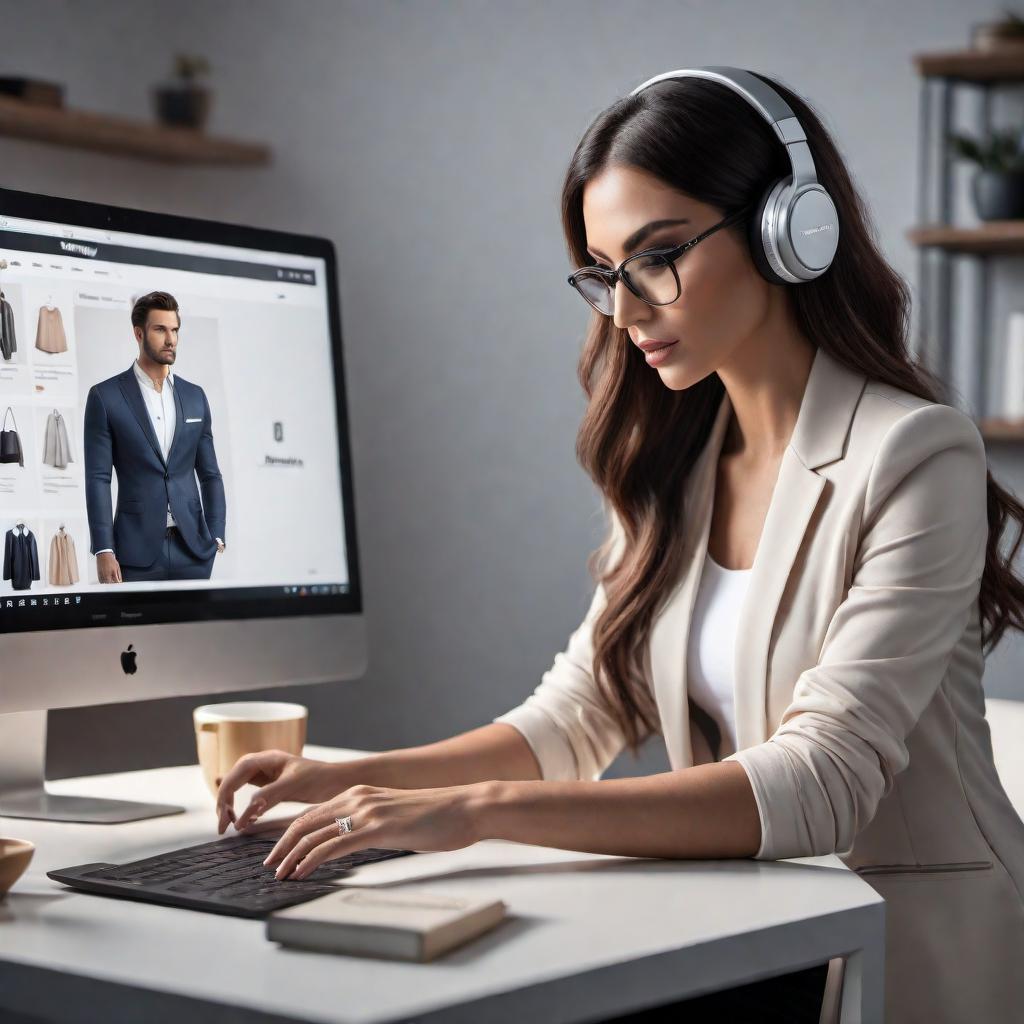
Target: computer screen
222, 491
256, 448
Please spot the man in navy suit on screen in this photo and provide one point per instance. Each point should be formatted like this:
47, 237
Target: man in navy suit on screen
154, 429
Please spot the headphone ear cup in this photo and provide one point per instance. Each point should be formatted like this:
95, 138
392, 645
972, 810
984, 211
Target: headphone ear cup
756, 238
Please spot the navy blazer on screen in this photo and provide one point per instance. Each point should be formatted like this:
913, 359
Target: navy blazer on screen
119, 435
21, 559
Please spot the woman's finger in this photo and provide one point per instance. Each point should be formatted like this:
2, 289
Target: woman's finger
336, 847
314, 819
265, 798
248, 768
257, 805
225, 814
305, 846
269, 825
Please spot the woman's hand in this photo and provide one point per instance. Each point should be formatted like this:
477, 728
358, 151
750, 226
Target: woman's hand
282, 777
423, 820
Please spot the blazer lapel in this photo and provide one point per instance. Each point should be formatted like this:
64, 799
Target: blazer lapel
796, 494
179, 421
819, 437
130, 389
671, 628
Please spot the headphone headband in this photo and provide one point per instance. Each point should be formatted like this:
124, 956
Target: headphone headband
769, 104
795, 233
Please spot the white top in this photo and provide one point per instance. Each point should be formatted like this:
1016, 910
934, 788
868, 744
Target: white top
162, 413
712, 642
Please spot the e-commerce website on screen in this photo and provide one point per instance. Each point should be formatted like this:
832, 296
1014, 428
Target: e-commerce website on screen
236, 456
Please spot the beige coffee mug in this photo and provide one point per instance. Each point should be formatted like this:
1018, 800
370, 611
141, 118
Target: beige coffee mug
224, 732
14, 857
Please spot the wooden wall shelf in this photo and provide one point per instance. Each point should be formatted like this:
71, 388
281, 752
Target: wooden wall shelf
994, 429
994, 236
973, 65
122, 136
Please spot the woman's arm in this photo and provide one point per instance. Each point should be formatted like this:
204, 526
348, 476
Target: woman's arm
704, 812
491, 752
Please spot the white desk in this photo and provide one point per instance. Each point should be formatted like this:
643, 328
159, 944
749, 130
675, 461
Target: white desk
589, 936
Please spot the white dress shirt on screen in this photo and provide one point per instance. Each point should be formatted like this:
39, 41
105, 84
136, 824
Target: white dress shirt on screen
162, 413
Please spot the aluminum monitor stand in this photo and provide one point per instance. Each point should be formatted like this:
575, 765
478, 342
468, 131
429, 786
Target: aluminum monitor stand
22, 781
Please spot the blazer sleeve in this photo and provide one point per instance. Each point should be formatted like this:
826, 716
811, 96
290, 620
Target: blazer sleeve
566, 720
916, 577
211, 482
99, 467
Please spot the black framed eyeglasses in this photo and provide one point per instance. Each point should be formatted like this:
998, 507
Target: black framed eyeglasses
651, 274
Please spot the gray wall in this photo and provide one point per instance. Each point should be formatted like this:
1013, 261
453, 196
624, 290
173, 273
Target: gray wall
428, 140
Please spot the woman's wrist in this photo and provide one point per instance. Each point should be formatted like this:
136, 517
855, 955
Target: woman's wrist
477, 800
371, 770
485, 801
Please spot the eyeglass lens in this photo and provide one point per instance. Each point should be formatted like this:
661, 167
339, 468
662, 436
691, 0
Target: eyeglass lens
651, 276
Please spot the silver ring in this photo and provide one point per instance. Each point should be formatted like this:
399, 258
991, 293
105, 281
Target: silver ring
344, 824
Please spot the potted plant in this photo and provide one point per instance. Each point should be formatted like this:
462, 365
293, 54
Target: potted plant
183, 102
1007, 34
998, 184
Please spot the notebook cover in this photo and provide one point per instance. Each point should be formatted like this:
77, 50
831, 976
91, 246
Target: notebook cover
402, 923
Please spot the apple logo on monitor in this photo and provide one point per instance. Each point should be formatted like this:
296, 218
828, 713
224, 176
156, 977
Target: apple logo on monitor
128, 661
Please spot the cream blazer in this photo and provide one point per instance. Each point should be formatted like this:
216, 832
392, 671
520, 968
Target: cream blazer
858, 698
63, 564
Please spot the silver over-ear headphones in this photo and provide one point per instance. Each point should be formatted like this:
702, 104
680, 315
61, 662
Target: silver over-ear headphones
795, 229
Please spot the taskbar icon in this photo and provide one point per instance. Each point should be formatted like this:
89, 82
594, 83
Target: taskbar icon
49, 601
315, 589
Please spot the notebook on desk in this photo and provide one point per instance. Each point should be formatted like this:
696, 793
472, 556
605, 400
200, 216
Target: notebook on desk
407, 923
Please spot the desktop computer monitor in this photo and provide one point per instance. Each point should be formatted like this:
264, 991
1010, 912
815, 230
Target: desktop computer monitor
224, 496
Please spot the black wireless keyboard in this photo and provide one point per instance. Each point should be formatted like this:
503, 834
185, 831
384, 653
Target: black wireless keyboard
225, 876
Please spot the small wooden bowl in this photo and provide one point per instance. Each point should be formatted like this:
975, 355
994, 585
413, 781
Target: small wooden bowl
15, 855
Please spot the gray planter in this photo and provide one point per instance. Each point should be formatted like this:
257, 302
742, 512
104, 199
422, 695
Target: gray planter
182, 106
998, 195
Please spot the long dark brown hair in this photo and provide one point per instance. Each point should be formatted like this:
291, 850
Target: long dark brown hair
639, 439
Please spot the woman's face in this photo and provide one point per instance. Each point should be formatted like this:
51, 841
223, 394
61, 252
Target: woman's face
723, 299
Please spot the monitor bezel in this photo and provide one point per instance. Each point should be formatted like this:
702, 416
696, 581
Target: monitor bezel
202, 604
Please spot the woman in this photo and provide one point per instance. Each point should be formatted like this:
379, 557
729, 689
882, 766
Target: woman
785, 484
